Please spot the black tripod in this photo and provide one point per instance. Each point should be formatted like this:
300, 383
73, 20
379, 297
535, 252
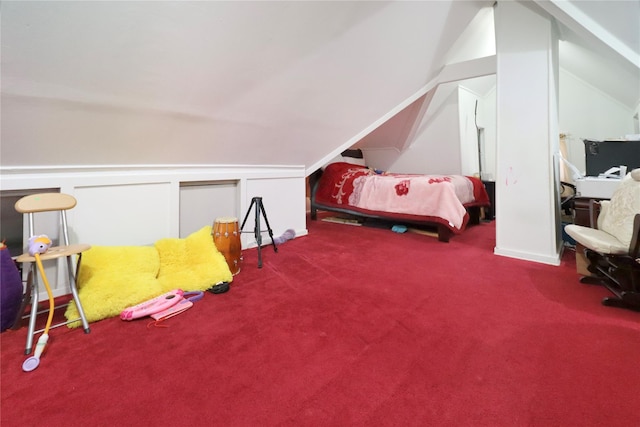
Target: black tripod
257, 201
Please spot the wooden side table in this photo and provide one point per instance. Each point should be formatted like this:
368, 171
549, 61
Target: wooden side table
489, 212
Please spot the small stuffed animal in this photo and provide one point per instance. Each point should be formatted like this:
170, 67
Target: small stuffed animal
287, 235
39, 244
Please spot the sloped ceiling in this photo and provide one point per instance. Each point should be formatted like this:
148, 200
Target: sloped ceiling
600, 44
476, 41
86, 83
234, 82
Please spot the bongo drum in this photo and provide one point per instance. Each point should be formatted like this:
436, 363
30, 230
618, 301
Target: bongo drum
226, 237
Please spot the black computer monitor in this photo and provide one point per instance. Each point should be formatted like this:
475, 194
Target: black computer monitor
603, 155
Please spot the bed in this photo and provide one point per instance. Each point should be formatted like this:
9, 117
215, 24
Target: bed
447, 203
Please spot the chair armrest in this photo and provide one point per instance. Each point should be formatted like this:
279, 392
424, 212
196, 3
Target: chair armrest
634, 247
594, 211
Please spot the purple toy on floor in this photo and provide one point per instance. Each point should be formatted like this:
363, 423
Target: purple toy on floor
11, 289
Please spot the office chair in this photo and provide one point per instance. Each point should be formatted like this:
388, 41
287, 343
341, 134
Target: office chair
567, 198
49, 202
612, 243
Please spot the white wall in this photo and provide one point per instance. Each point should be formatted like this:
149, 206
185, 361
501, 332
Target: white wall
588, 113
585, 112
488, 122
478, 39
470, 159
95, 83
395, 133
527, 226
446, 140
215, 199
435, 147
139, 205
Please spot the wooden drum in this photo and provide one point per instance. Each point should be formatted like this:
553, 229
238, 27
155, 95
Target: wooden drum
226, 237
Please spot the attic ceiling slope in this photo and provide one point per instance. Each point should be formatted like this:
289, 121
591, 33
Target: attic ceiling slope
615, 22
472, 55
95, 83
610, 26
600, 44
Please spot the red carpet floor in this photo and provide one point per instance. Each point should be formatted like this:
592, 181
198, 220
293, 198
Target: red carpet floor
351, 326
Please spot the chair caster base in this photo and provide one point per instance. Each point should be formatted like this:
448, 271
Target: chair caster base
592, 280
628, 300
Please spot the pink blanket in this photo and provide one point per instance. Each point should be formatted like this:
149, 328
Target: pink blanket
438, 198
427, 195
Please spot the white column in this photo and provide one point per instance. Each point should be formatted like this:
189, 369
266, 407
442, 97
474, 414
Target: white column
527, 214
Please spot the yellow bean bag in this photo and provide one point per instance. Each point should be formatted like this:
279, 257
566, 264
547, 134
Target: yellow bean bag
112, 278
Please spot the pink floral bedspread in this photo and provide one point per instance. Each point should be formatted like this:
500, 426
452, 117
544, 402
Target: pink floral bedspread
441, 197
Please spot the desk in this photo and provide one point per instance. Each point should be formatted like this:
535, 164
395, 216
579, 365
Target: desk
594, 187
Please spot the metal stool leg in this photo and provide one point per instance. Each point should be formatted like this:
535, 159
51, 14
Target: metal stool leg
32, 284
26, 302
74, 292
34, 307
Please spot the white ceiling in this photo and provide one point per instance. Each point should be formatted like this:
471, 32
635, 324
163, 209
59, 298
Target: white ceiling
620, 18
600, 44
256, 82
224, 82
586, 46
